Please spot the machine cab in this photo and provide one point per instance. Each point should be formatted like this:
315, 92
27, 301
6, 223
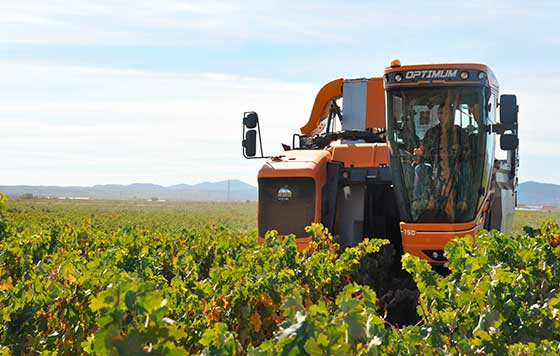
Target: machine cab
441, 121
442, 152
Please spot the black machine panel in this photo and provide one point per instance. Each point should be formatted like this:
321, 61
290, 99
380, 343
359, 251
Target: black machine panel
286, 205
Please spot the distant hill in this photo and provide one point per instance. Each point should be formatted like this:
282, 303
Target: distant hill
538, 193
528, 192
233, 190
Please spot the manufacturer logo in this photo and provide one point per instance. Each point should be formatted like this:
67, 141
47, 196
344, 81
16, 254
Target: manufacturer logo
284, 194
431, 74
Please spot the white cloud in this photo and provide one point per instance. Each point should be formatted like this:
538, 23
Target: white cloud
161, 23
79, 125
184, 23
538, 113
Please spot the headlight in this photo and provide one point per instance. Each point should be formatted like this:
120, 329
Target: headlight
284, 194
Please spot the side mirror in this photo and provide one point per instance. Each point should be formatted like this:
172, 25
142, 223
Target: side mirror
508, 109
250, 143
251, 120
251, 129
509, 142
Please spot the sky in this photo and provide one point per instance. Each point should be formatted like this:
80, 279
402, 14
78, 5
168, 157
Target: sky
107, 92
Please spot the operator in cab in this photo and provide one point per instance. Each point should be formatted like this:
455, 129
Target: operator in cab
442, 147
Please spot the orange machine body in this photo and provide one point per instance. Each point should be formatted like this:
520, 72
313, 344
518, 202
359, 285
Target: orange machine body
361, 154
316, 123
298, 163
362, 169
428, 240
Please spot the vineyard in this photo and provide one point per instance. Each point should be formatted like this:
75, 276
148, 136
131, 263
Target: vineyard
128, 278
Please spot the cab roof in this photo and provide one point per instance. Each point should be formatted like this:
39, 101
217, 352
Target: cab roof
438, 73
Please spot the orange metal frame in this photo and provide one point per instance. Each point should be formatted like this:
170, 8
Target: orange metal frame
330, 91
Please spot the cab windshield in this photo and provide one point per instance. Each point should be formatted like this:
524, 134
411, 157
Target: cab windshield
438, 151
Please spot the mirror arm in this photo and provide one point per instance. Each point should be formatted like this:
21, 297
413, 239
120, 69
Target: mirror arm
260, 141
503, 127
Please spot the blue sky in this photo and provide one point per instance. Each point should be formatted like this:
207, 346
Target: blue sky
144, 91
